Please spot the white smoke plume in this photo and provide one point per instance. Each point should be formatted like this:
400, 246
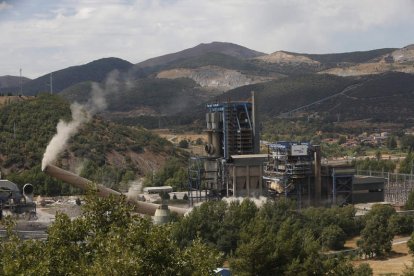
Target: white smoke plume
81, 114
135, 188
258, 201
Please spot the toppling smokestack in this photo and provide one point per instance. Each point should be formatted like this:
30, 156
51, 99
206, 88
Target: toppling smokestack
145, 208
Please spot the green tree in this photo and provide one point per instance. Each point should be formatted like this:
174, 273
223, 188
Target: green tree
204, 221
342, 140
410, 244
409, 204
407, 142
378, 155
183, 144
378, 233
406, 165
402, 224
333, 237
278, 242
237, 216
363, 270
392, 142
108, 239
173, 174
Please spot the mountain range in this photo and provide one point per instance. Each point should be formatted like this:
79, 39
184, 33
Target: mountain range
375, 85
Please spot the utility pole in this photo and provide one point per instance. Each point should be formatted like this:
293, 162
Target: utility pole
51, 83
21, 83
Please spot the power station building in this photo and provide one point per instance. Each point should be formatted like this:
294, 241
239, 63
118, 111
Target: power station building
235, 167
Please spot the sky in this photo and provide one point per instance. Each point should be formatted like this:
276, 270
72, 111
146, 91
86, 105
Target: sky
41, 36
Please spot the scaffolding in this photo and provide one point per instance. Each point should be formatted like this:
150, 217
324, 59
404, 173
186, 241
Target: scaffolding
230, 131
288, 170
236, 127
342, 188
203, 179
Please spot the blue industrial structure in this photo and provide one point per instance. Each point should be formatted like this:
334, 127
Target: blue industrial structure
230, 129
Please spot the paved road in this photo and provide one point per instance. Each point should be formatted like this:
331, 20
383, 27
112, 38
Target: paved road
354, 251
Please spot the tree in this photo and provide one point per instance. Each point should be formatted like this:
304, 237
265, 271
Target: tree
406, 165
108, 239
392, 142
378, 233
204, 222
363, 270
237, 216
409, 204
410, 244
183, 144
407, 142
402, 224
277, 241
378, 155
342, 140
333, 237
173, 174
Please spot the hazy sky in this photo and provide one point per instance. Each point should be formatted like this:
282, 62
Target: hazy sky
41, 36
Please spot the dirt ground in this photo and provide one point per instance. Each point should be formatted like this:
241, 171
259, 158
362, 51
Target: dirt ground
394, 264
175, 138
9, 99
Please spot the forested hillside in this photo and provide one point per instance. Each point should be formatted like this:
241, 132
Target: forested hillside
143, 97
12, 81
228, 49
102, 151
93, 71
351, 57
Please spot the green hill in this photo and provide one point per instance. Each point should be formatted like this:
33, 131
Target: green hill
93, 71
283, 95
143, 99
350, 57
384, 98
12, 81
224, 48
108, 152
381, 98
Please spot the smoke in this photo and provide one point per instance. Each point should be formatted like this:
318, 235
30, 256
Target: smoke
81, 114
259, 201
135, 188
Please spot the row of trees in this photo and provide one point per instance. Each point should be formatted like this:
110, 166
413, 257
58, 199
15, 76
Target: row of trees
275, 239
173, 174
108, 239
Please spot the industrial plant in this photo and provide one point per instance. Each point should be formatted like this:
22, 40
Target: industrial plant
13, 201
234, 165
